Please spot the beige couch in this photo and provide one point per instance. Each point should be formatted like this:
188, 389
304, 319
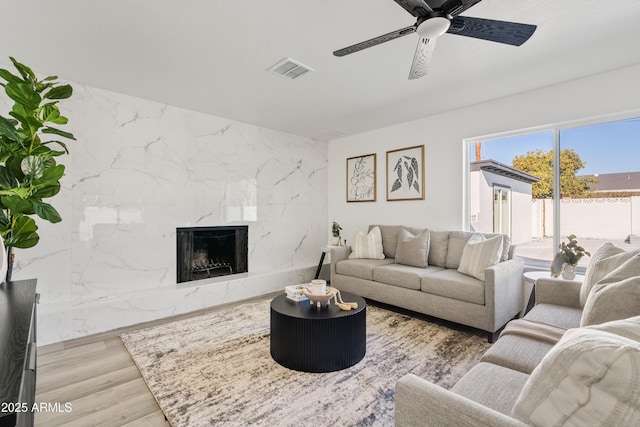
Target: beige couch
528, 380
438, 289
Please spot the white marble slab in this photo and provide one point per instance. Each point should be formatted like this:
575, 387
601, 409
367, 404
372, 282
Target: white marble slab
139, 170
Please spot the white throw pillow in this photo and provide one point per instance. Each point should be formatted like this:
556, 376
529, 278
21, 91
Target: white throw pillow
616, 296
606, 259
589, 378
478, 254
367, 246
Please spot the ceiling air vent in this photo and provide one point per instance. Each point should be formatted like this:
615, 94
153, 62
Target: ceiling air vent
290, 69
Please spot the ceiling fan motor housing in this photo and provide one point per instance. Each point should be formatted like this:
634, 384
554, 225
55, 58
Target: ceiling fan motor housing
433, 27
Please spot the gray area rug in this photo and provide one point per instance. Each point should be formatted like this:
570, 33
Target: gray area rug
216, 370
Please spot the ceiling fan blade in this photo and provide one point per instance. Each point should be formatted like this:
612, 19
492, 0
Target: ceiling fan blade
375, 41
422, 57
505, 32
418, 8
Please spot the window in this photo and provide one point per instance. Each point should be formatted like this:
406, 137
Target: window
540, 187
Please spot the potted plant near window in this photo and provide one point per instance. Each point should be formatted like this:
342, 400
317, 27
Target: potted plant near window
571, 253
335, 232
30, 141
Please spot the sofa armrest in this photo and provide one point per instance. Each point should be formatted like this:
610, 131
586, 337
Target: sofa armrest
503, 291
421, 403
338, 253
558, 292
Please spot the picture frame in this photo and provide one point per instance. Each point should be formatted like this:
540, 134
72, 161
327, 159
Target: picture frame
405, 173
361, 178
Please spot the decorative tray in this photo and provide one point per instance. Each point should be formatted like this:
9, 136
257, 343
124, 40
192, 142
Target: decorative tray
331, 292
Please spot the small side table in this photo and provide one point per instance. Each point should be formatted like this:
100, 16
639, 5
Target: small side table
529, 279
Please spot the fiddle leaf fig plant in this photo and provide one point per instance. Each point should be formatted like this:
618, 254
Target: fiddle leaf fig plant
30, 142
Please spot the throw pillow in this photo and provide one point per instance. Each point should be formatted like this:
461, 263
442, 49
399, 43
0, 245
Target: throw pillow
612, 301
588, 378
478, 254
367, 246
606, 259
628, 328
412, 250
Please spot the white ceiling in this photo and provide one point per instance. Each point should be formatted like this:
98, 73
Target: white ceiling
211, 55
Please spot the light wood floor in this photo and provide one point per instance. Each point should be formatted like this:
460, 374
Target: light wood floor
97, 377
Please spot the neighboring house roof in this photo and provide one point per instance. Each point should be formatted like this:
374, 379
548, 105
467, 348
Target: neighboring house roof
503, 170
625, 181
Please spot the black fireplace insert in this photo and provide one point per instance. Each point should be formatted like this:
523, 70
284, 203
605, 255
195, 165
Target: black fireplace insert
205, 252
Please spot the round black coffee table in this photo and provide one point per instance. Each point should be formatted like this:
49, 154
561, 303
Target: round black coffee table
310, 339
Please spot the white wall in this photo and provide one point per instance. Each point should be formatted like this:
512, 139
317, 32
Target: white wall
481, 204
442, 135
139, 170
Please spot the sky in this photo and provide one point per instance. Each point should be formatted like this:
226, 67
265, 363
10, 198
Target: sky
605, 148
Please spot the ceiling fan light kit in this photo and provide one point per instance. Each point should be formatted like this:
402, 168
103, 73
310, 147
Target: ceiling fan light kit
437, 17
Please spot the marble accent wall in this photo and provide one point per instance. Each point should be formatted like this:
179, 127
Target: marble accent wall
139, 170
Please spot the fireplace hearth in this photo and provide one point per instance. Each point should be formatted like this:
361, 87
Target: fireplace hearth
205, 252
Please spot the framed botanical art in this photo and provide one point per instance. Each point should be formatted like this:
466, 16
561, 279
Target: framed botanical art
405, 173
361, 178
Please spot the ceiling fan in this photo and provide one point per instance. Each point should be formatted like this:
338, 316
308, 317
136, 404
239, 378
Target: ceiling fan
436, 17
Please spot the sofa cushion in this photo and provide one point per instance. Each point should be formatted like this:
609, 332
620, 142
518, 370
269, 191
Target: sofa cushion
438, 247
369, 246
589, 377
606, 259
517, 352
480, 253
451, 284
401, 275
412, 249
558, 315
493, 386
361, 268
612, 301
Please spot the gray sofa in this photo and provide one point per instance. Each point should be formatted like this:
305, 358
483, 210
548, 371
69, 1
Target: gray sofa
521, 371
438, 290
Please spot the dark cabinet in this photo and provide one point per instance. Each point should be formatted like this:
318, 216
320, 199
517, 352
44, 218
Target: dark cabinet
18, 301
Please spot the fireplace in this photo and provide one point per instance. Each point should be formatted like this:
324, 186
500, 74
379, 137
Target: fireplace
205, 252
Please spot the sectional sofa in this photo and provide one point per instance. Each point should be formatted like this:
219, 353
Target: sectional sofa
420, 270
574, 360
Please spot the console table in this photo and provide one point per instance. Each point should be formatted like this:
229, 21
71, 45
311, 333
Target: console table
18, 301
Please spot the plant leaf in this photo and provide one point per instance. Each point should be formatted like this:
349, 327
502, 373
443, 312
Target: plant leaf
8, 130
9, 77
396, 185
23, 234
7, 180
62, 144
23, 94
32, 167
25, 71
60, 92
16, 204
416, 186
53, 173
46, 211
58, 132
47, 191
